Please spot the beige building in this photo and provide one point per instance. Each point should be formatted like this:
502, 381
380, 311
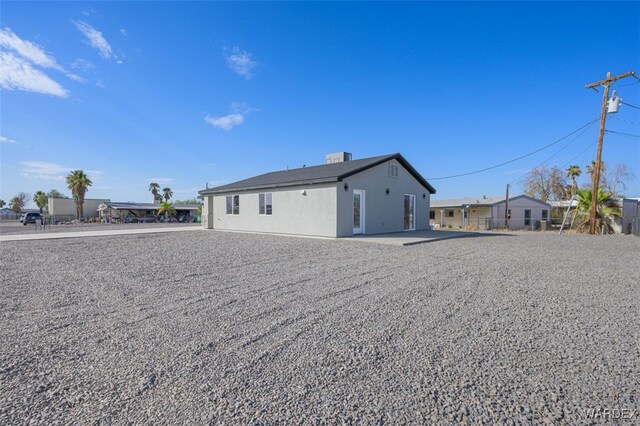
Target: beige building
65, 208
484, 212
339, 198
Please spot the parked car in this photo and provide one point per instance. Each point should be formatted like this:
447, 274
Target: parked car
148, 218
32, 218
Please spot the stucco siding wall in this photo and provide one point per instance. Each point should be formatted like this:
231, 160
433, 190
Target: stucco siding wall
67, 206
313, 214
383, 213
517, 207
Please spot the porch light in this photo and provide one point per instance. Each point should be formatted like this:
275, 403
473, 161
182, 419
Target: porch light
424, 195
346, 186
387, 191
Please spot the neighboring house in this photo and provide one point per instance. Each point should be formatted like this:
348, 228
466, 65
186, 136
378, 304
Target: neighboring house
138, 210
489, 212
340, 198
65, 208
8, 214
629, 210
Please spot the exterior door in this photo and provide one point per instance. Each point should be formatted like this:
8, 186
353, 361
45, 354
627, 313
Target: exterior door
409, 212
358, 211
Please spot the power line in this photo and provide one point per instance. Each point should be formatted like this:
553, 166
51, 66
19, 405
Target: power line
628, 84
556, 153
518, 158
626, 121
623, 134
632, 106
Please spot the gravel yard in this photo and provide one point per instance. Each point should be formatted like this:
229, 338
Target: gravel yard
208, 327
17, 228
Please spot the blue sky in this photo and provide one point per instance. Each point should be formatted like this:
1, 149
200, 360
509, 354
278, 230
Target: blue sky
188, 93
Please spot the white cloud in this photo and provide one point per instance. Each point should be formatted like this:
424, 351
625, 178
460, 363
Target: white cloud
18, 74
160, 180
226, 122
240, 62
123, 31
18, 59
77, 78
239, 110
242, 108
100, 84
82, 64
36, 176
95, 39
43, 167
28, 50
41, 170
4, 139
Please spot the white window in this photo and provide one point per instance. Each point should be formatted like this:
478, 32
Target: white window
265, 204
233, 204
393, 170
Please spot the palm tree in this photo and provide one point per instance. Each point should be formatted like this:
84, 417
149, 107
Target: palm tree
167, 209
41, 199
154, 187
606, 210
167, 193
78, 183
591, 169
573, 172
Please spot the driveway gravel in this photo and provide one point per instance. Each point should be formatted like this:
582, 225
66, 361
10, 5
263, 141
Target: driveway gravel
209, 328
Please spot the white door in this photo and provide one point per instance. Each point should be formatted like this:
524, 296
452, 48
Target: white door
358, 211
409, 212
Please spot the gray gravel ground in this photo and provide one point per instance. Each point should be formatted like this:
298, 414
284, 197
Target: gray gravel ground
17, 228
207, 327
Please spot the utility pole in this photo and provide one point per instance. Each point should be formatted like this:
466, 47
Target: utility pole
506, 209
606, 83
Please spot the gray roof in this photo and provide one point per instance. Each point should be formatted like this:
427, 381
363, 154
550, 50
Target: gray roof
147, 206
324, 173
477, 201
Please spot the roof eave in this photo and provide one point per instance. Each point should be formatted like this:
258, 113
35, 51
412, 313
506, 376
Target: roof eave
270, 186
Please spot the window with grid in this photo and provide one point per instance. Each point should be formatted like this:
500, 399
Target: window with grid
233, 204
265, 206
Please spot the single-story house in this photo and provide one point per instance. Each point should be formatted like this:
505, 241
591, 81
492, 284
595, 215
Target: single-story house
8, 214
116, 210
340, 198
629, 209
484, 212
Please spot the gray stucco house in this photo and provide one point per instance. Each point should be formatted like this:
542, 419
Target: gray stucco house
340, 198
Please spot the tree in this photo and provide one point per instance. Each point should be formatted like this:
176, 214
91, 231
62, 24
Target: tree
78, 183
573, 172
2, 203
167, 209
606, 210
617, 178
167, 193
54, 193
41, 200
18, 202
154, 187
191, 201
545, 184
